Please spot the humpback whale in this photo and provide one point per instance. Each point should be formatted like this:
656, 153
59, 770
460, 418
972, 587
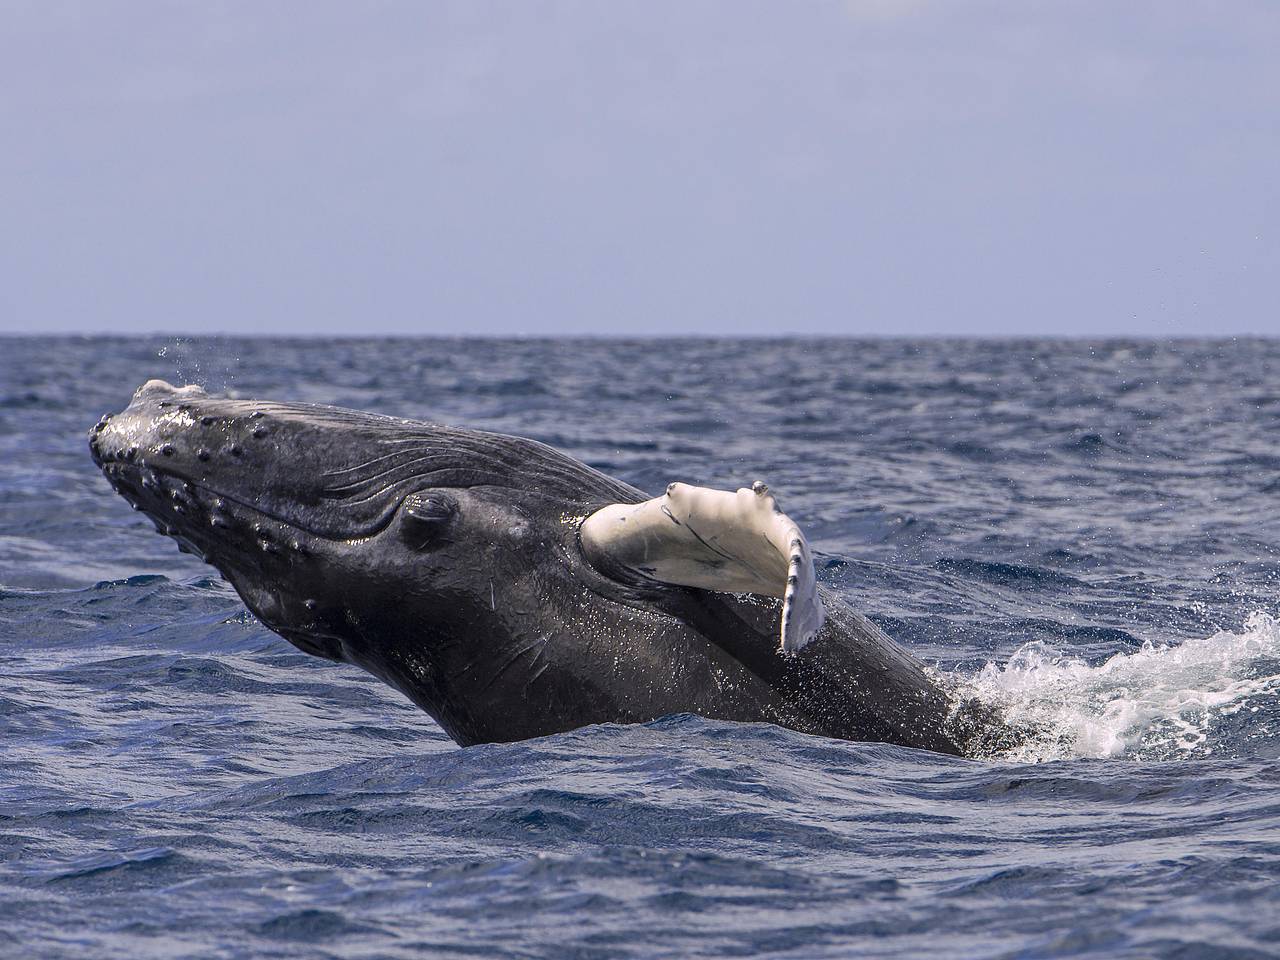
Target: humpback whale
508, 589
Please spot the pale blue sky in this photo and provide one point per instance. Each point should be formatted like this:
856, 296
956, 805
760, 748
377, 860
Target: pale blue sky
860, 167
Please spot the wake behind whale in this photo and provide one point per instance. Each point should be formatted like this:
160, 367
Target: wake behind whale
1217, 695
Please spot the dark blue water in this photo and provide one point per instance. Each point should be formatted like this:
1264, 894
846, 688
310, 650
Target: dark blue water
1088, 533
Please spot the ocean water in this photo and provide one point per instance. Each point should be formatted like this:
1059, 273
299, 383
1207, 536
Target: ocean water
1085, 532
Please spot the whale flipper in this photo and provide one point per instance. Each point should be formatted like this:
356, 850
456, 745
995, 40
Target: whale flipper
728, 542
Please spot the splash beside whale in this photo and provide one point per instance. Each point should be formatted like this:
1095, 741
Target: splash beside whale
508, 589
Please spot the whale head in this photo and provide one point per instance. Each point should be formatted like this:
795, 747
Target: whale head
419, 552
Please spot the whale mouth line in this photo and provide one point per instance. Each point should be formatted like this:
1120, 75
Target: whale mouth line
139, 470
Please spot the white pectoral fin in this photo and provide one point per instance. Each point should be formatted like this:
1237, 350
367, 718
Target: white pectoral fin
729, 542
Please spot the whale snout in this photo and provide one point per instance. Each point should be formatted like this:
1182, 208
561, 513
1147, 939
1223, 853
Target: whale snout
330, 473
157, 454
153, 426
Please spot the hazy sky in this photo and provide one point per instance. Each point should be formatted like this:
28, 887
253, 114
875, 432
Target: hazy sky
869, 166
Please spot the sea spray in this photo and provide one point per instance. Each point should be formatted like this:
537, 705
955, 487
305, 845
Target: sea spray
1159, 701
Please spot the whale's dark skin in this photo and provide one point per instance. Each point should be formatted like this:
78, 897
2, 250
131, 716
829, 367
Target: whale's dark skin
447, 563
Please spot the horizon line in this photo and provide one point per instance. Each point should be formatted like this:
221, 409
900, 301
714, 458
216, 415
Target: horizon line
605, 337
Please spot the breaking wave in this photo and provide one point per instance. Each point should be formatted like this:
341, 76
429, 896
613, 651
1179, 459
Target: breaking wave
1208, 696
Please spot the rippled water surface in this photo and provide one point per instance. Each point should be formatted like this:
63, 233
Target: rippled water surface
1087, 533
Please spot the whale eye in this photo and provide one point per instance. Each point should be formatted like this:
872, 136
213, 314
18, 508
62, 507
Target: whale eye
426, 518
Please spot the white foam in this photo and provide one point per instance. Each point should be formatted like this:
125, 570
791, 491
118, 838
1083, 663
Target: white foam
1156, 701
